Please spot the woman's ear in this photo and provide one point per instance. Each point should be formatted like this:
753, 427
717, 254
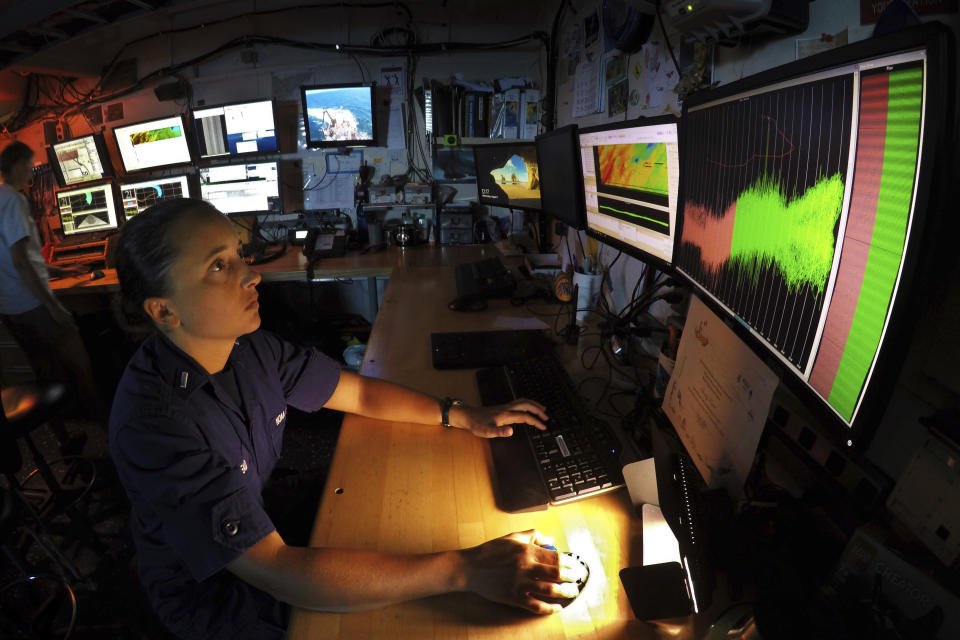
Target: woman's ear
161, 311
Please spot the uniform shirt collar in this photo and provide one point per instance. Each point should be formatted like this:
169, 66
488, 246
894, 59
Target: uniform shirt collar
179, 370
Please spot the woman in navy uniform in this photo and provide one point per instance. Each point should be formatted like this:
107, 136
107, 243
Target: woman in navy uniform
196, 429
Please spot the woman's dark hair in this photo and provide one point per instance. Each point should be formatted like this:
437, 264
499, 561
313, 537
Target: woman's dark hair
13, 153
146, 249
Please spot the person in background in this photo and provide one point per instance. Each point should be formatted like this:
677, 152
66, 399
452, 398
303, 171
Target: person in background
40, 324
196, 429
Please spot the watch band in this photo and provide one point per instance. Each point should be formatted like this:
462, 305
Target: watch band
445, 405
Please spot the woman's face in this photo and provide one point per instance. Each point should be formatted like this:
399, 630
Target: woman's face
212, 290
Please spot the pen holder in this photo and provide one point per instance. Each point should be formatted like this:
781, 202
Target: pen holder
588, 290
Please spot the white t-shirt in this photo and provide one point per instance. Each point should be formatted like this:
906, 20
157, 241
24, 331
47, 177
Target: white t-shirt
16, 224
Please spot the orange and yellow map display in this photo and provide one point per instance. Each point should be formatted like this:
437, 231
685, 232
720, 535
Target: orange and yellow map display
640, 166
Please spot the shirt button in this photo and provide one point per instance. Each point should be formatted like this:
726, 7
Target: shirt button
231, 527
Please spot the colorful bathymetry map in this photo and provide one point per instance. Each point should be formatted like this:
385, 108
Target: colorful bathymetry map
634, 166
153, 135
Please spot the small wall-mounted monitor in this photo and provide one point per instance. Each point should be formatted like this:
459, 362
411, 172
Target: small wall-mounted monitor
561, 176
138, 196
153, 143
235, 129
338, 115
631, 176
87, 209
242, 188
79, 160
508, 175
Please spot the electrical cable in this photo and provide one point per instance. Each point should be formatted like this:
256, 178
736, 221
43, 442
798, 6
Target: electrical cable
666, 39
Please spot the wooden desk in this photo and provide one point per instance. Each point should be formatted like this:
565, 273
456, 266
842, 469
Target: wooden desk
416, 489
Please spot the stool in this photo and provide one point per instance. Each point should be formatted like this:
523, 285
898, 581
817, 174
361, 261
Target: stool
26, 407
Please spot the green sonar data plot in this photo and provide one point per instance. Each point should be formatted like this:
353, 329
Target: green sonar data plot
796, 235
640, 166
155, 135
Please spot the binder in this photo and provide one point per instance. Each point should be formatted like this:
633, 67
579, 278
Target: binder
529, 114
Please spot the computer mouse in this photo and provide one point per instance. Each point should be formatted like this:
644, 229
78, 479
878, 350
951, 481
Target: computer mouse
96, 274
573, 571
468, 303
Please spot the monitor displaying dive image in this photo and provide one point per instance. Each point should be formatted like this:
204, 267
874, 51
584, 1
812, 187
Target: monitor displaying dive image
151, 144
338, 115
631, 175
241, 188
804, 206
508, 175
87, 209
140, 195
83, 159
235, 129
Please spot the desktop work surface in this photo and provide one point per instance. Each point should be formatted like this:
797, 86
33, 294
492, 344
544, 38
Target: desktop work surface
405, 488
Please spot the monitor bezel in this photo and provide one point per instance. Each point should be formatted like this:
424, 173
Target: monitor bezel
572, 131
476, 173
322, 144
248, 212
226, 156
109, 185
635, 252
100, 142
933, 154
190, 150
187, 176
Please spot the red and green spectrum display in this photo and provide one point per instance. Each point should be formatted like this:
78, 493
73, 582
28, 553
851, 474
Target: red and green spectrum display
764, 197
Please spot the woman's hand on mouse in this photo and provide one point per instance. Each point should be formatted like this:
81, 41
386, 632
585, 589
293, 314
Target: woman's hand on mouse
498, 421
517, 570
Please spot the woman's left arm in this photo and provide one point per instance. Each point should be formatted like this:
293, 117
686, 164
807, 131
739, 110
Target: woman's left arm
383, 400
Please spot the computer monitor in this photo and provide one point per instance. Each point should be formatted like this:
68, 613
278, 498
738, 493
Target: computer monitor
241, 188
508, 175
86, 209
235, 129
79, 160
153, 143
631, 174
338, 115
561, 176
808, 204
137, 196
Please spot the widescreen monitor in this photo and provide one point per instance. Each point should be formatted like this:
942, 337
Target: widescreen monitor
561, 176
807, 207
338, 115
80, 160
87, 209
138, 196
241, 188
235, 129
508, 175
631, 175
153, 143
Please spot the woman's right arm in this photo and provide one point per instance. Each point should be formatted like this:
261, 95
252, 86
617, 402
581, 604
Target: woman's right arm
514, 570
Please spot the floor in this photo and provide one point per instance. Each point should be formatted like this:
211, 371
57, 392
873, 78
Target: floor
109, 600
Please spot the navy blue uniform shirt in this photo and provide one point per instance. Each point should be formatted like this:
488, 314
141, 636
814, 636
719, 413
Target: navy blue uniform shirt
193, 464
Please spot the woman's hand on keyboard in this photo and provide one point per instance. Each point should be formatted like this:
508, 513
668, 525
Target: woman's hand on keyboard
498, 421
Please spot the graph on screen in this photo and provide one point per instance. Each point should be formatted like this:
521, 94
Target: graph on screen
797, 211
763, 204
89, 209
139, 196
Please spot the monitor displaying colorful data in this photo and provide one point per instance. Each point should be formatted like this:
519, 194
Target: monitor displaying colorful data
338, 115
87, 209
151, 144
631, 172
140, 195
241, 188
83, 159
804, 204
235, 129
508, 175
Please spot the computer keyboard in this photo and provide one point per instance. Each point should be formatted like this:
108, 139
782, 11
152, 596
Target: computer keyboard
577, 456
486, 278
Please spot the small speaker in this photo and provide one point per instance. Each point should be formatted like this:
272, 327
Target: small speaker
171, 91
